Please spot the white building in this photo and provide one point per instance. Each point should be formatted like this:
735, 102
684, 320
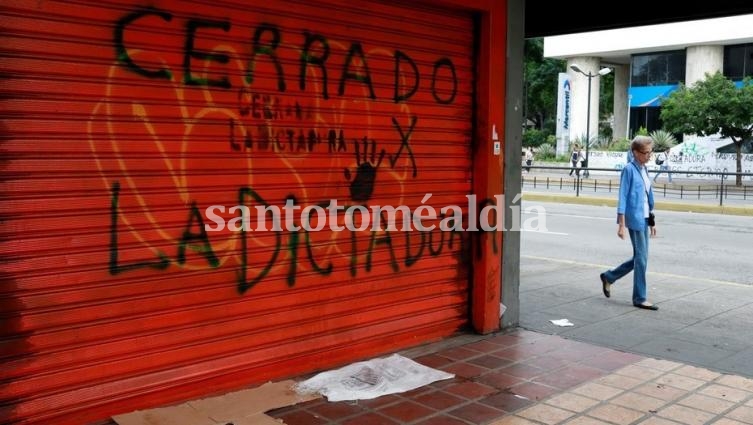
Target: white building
649, 62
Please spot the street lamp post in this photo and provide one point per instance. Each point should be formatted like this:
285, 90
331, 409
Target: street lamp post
589, 75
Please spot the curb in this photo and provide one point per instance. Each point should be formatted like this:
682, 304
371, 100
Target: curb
661, 206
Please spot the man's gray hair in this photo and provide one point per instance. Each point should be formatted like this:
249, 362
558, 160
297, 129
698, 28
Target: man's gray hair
640, 142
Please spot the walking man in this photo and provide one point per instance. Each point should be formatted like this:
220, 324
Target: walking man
635, 204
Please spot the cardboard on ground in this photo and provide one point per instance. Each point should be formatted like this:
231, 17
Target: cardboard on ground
245, 407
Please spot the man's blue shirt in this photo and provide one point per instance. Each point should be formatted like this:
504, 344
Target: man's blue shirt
632, 197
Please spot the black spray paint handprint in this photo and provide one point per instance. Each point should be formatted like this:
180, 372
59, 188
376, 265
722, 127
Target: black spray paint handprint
362, 185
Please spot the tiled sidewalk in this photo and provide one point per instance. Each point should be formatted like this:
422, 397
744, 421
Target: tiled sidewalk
530, 378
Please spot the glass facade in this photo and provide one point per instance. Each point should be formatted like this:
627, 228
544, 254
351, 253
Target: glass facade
653, 76
658, 69
738, 61
646, 117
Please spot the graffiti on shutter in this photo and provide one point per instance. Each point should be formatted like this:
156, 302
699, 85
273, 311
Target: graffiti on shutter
324, 119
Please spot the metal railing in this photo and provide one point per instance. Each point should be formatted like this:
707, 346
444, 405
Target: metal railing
721, 190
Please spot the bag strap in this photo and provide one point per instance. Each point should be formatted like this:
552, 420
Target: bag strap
644, 181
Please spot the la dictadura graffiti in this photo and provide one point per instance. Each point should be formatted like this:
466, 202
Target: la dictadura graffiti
261, 113
195, 239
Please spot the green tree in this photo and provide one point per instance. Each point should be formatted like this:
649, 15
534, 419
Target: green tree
710, 106
606, 104
540, 85
534, 138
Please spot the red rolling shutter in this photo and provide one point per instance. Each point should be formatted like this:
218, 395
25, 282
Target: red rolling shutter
123, 123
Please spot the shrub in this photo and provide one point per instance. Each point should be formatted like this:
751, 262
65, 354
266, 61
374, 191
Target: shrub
621, 145
601, 143
546, 152
663, 140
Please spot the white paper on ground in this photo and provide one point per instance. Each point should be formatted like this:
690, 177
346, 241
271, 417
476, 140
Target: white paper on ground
502, 309
562, 322
371, 379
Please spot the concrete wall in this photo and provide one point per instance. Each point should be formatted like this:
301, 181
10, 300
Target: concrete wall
621, 83
690, 163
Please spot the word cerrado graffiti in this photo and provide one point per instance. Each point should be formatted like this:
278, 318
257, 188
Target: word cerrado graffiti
265, 45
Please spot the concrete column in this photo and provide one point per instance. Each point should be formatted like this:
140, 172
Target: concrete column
513, 144
702, 59
621, 84
580, 101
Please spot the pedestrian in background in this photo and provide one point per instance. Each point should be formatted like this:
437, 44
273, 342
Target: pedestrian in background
529, 159
635, 204
574, 158
662, 160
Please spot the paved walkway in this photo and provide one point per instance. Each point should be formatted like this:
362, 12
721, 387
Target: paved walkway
691, 362
527, 377
707, 323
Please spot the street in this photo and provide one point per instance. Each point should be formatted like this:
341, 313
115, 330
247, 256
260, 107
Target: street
708, 246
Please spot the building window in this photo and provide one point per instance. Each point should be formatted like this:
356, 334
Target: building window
738, 61
646, 117
658, 69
